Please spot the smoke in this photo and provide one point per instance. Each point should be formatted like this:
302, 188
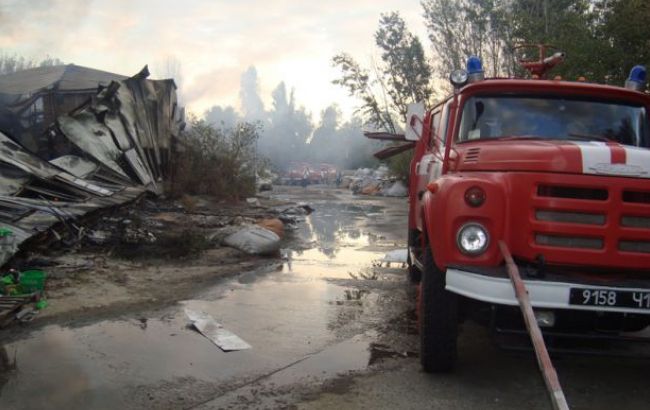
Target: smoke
289, 133
51, 21
281, 104
170, 67
340, 142
330, 118
222, 117
249, 94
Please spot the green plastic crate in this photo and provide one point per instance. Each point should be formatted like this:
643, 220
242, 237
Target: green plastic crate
32, 281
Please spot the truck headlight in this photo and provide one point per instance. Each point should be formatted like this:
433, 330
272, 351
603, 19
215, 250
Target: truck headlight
458, 78
472, 239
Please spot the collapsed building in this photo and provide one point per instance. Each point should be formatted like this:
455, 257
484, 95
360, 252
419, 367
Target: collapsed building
75, 139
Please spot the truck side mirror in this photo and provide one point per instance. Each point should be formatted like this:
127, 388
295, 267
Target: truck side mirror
414, 122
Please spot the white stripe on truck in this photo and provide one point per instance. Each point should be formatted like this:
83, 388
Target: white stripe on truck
597, 159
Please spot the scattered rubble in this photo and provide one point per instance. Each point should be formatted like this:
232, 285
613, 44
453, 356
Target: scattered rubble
110, 150
116, 264
293, 215
366, 181
82, 193
21, 296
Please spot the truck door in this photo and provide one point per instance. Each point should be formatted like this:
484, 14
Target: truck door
430, 164
438, 142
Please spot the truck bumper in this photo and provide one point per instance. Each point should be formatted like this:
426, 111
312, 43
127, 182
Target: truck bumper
544, 294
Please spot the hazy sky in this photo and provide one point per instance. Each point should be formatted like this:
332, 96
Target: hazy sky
215, 41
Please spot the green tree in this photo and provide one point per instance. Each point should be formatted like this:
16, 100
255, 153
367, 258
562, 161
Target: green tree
215, 161
11, 63
405, 67
374, 109
571, 25
460, 28
626, 31
403, 76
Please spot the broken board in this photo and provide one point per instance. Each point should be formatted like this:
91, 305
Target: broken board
9, 305
225, 339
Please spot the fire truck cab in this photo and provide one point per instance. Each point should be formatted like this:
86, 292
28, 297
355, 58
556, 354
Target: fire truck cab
559, 171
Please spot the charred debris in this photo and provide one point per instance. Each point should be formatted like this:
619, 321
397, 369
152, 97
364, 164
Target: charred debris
75, 140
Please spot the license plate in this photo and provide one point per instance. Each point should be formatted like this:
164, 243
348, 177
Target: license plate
610, 298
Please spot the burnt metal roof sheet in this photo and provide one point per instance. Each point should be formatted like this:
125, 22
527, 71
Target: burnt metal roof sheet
63, 78
120, 139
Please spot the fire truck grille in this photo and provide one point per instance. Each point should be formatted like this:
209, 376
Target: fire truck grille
569, 241
635, 222
634, 246
636, 197
570, 217
554, 191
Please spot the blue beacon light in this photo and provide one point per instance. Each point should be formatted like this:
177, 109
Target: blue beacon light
475, 69
637, 78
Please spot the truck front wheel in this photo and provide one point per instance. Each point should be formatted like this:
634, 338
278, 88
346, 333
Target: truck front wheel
438, 319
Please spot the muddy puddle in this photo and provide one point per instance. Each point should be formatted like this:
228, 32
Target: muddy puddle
312, 316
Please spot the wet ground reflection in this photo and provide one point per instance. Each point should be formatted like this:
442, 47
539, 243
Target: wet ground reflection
317, 311
335, 225
7, 366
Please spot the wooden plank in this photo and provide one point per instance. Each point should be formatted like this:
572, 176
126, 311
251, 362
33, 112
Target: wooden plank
392, 151
26, 298
384, 136
6, 317
553, 387
9, 305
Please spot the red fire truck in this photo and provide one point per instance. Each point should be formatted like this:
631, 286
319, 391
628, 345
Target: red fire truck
555, 171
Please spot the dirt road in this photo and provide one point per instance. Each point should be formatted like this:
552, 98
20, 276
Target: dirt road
331, 327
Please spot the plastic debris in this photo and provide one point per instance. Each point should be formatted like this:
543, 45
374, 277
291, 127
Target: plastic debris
366, 181
41, 304
397, 189
98, 237
24, 283
26, 314
208, 327
396, 256
274, 225
32, 281
254, 240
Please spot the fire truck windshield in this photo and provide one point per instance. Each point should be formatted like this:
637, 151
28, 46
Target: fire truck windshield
553, 118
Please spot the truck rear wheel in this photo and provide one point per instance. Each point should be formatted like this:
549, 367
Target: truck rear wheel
438, 319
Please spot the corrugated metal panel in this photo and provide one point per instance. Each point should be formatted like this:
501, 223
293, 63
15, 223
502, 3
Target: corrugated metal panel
65, 78
124, 134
